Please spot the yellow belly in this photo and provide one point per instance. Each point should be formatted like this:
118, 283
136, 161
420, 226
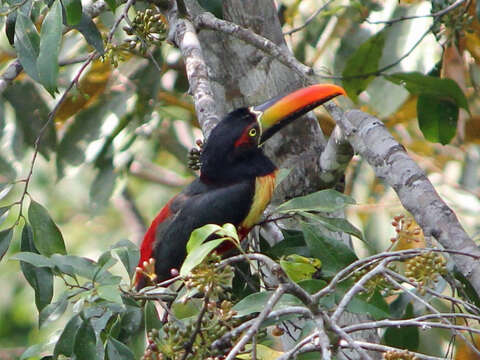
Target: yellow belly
264, 187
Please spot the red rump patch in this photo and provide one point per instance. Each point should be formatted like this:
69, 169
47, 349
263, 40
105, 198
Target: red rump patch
146, 248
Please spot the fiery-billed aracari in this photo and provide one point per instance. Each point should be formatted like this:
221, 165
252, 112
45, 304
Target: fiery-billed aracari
236, 179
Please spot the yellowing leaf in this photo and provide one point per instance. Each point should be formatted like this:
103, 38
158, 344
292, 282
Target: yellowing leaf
472, 130
464, 352
263, 353
90, 87
472, 44
409, 234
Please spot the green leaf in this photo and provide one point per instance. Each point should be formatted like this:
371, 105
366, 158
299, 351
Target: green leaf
129, 255
5, 190
112, 4
85, 346
33, 351
325, 200
47, 237
312, 285
419, 84
132, 319
256, 302
333, 254
362, 62
103, 185
199, 254
50, 41
263, 353
4, 209
213, 6
407, 337
437, 118
282, 175
152, 320
73, 10
7, 171
110, 293
39, 278
335, 224
34, 259
90, 32
30, 116
10, 27
66, 341
106, 260
5, 239
300, 268
293, 243
117, 350
87, 268
200, 235
374, 305
468, 289
27, 45
53, 311
100, 320
84, 130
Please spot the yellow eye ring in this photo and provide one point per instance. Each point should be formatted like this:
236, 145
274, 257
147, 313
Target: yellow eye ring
252, 132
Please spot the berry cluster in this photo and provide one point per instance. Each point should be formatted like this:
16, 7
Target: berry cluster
210, 279
399, 355
453, 22
115, 53
175, 337
194, 156
425, 269
377, 283
148, 28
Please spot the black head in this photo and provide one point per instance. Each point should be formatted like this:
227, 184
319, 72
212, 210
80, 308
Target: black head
232, 152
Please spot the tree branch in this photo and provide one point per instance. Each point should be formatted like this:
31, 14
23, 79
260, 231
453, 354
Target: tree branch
183, 35
208, 21
391, 163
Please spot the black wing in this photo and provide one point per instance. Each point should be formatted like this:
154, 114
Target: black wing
198, 205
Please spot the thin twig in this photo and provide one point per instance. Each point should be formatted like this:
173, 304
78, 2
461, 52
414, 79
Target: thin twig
438, 14
356, 288
384, 348
257, 323
226, 338
123, 15
208, 21
198, 326
309, 19
389, 276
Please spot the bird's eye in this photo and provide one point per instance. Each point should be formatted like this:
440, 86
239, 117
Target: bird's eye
252, 132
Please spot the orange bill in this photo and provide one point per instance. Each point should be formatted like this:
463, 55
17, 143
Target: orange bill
280, 111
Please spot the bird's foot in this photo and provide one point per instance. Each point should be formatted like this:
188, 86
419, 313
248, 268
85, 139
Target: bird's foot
194, 156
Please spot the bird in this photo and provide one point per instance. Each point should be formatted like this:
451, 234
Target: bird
235, 184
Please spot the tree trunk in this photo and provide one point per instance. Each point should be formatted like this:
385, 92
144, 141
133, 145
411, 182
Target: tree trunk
242, 75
